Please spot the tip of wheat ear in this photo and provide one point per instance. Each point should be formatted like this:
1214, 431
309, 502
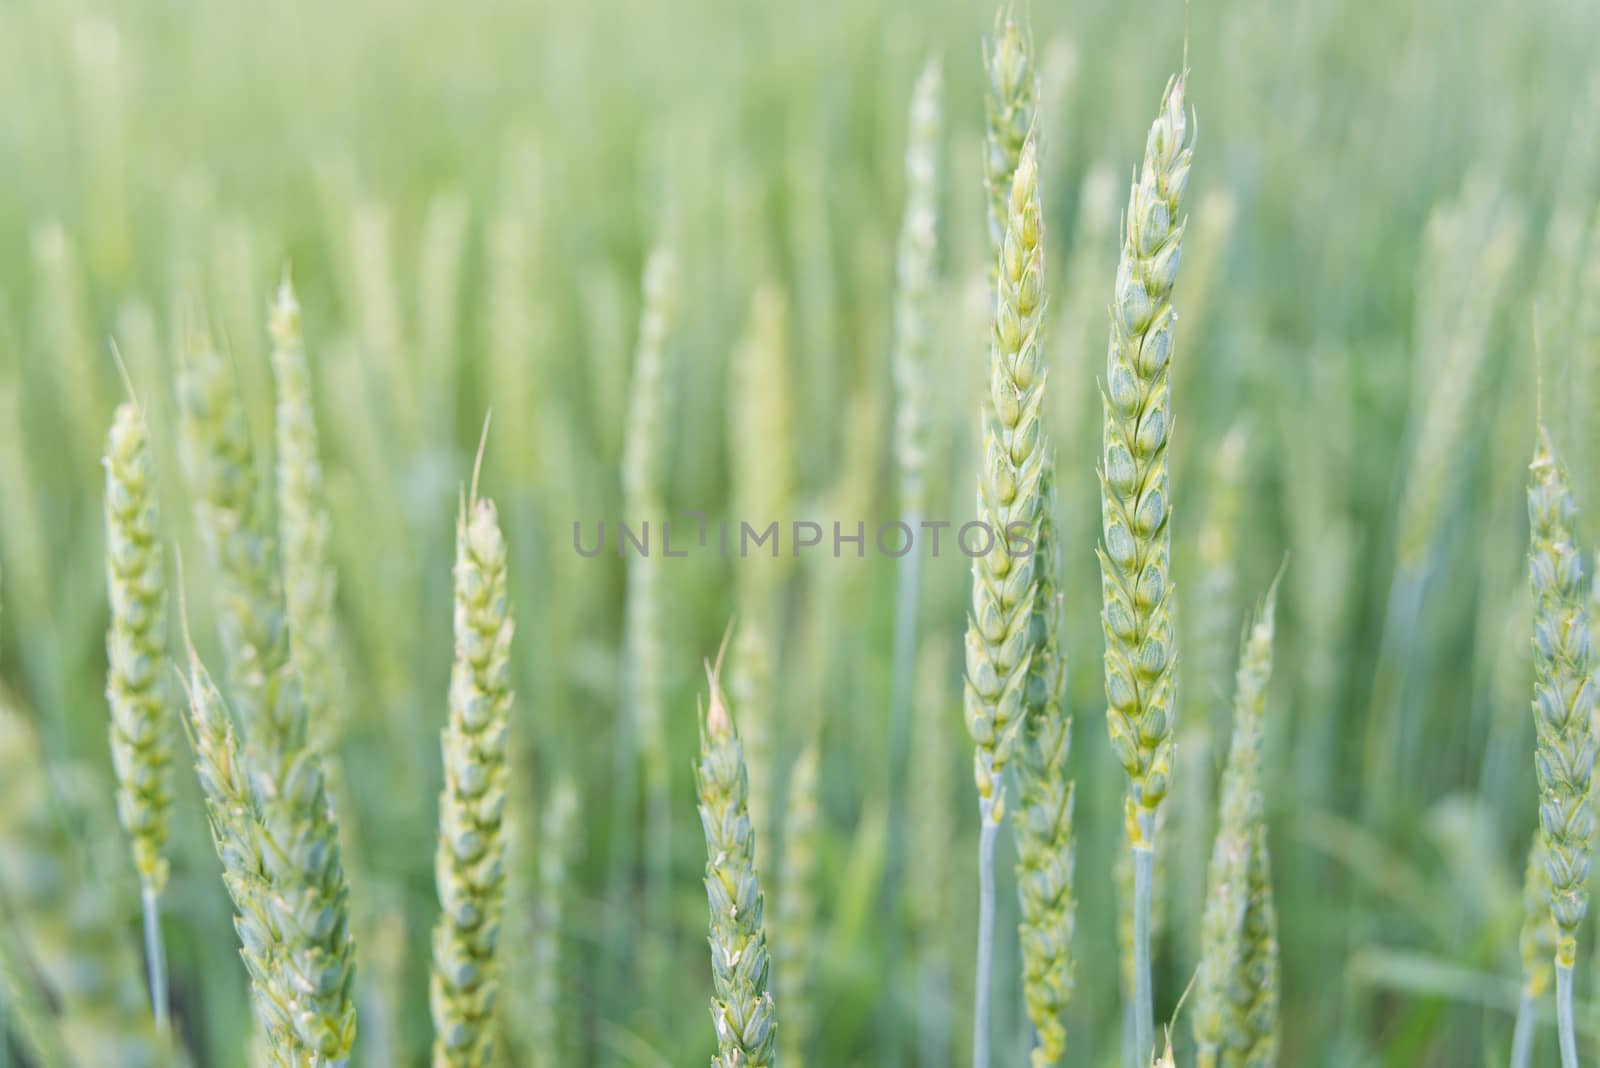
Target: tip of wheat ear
718, 723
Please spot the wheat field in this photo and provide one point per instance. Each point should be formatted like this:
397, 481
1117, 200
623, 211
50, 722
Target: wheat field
637, 534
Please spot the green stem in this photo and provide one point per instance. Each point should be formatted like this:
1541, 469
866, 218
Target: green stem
1144, 1025
155, 956
1564, 1021
1522, 1036
980, 1013
909, 582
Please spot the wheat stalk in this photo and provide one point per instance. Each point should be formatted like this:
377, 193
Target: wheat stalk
1228, 894
469, 866
1563, 705
136, 679
1000, 640
1135, 506
741, 1007
913, 327
931, 833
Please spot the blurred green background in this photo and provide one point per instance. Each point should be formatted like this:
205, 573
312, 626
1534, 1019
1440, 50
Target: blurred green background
1384, 199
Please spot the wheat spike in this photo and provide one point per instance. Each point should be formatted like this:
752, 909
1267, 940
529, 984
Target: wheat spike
469, 866
741, 1007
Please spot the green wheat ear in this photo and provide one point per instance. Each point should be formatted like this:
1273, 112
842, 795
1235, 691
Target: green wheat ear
469, 865
741, 1007
1000, 634
1134, 479
1564, 696
1227, 944
136, 684
1563, 711
303, 525
1254, 1010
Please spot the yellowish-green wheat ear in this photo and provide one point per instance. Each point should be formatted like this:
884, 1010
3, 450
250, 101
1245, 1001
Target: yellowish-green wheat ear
136, 678
1136, 548
469, 866
1563, 707
742, 1010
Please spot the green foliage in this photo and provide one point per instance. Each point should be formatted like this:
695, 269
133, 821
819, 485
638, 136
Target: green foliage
1383, 204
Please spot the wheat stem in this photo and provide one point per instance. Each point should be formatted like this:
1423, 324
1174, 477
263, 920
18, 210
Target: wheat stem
1564, 1017
1522, 1035
155, 956
1144, 1027
989, 831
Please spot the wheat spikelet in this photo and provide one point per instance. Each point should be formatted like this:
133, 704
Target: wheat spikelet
741, 1007
1224, 939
